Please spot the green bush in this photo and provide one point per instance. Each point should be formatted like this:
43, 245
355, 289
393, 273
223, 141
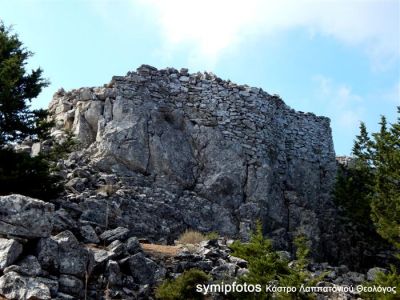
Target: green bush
33, 176
29, 176
264, 264
212, 235
267, 267
298, 273
183, 287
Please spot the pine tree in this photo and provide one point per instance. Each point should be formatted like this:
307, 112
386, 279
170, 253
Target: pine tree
20, 173
298, 272
385, 200
355, 182
362, 146
264, 264
17, 89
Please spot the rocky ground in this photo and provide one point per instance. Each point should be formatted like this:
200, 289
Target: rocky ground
98, 263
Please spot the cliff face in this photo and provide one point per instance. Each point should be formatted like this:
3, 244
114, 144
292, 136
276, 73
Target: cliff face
194, 151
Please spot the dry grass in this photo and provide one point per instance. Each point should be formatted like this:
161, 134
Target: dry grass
192, 237
107, 189
160, 250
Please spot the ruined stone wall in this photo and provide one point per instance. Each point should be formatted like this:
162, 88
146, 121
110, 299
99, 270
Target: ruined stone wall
226, 154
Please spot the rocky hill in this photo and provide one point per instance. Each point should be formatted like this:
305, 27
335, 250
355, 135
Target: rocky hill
193, 151
159, 152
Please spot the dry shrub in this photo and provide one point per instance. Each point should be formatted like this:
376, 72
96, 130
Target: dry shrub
192, 237
107, 189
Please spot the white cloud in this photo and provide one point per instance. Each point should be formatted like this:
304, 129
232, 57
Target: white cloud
341, 104
211, 27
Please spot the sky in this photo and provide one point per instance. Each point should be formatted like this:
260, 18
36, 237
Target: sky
336, 58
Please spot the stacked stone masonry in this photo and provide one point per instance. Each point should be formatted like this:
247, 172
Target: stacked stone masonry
233, 152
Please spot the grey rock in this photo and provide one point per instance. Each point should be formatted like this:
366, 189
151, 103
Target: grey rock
343, 269
9, 252
63, 221
25, 217
89, 235
73, 258
28, 266
85, 94
133, 245
77, 184
356, 277
373, 272
99, 212
119, 233
117, 247
241, 272
144, 270
47, 254
51, 283
15, 286
101, 256
224, 270
71, 285
238, 261
63, 296
113, 273
184, 78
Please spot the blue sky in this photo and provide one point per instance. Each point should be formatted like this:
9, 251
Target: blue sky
339, 59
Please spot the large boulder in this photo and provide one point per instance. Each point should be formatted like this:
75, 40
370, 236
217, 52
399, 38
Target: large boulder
71, 285
144, 270
65, 255
119, 233
28, 266
47, 254
9, 252
15, 286
26, 217
73, 258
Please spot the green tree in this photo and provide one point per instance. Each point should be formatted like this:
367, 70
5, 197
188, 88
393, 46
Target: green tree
265, 265
30, 176
298, 272
370, 188
354, 183
385, 200
17, 89
20, 173
362, 146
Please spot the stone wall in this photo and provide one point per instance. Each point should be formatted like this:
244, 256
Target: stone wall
223, 154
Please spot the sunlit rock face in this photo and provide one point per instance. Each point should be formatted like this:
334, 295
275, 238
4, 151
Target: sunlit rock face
194, 151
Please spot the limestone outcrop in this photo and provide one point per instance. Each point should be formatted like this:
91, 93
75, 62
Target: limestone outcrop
162, 151
184, 150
